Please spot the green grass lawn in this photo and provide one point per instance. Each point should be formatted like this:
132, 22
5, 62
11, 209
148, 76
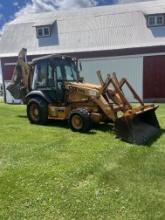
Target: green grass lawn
50, 172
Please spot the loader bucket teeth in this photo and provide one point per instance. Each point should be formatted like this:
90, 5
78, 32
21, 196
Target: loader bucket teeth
140, 129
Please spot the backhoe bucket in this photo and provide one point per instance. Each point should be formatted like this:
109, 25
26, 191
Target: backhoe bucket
16, 91
140, 129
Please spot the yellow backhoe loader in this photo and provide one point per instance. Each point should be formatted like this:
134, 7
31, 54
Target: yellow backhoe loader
52, 89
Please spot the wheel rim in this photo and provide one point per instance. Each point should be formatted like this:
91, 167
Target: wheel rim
34, 112
77, 122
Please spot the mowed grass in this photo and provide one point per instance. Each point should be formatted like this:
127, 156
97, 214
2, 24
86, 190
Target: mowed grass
50, 172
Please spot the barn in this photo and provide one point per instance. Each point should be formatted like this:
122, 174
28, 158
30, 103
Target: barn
128, 39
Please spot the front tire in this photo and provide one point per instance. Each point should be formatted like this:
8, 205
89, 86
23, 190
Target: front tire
79, 120
37, 111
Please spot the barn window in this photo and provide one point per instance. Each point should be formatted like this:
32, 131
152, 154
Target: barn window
155, 20
44, 27
43, 31
160, 20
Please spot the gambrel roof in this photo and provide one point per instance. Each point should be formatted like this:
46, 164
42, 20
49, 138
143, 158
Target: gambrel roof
88, 29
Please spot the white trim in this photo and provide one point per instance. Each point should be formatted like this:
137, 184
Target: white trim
109, 57
123, 56
10, 64
14, 64
86, 50
142, 88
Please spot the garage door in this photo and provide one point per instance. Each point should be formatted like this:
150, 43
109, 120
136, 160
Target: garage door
154, 77
127, 67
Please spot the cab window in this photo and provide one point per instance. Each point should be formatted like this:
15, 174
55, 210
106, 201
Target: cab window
58, 73
70, 73
42, 74
50, 76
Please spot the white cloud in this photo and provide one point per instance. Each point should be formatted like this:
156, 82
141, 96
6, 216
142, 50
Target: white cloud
16, 4
37, 6
51, 5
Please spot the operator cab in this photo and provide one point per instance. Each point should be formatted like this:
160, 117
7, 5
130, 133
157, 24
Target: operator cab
51, 72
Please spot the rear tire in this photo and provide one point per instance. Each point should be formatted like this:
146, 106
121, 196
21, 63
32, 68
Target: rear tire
37, 111
79, 120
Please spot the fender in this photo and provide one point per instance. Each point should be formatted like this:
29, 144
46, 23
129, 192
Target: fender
37, 93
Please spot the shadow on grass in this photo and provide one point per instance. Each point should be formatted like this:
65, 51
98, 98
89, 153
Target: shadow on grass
155, 138
104, 127
95, 127
22, 116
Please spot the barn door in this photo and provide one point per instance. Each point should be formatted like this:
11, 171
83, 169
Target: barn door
8, 72
154, 77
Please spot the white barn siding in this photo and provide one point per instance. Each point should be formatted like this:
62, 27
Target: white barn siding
90, 29
125, 67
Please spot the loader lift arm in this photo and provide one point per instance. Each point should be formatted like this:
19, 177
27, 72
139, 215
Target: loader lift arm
137, 124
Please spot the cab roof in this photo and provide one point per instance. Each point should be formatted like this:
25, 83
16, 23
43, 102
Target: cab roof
53, 57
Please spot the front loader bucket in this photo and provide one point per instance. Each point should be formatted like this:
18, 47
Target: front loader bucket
140, 129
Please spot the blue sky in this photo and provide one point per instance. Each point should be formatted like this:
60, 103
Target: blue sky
8, 8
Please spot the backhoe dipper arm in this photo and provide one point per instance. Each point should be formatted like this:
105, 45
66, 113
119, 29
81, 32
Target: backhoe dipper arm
21, 83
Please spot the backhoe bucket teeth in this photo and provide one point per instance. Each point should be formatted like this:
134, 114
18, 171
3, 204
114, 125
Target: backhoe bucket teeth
140, 129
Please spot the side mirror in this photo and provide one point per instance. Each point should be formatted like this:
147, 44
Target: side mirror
37, 84
80, 66
81, 79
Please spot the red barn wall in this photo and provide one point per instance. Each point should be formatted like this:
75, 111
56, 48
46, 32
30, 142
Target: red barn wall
153, 68
154, 77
